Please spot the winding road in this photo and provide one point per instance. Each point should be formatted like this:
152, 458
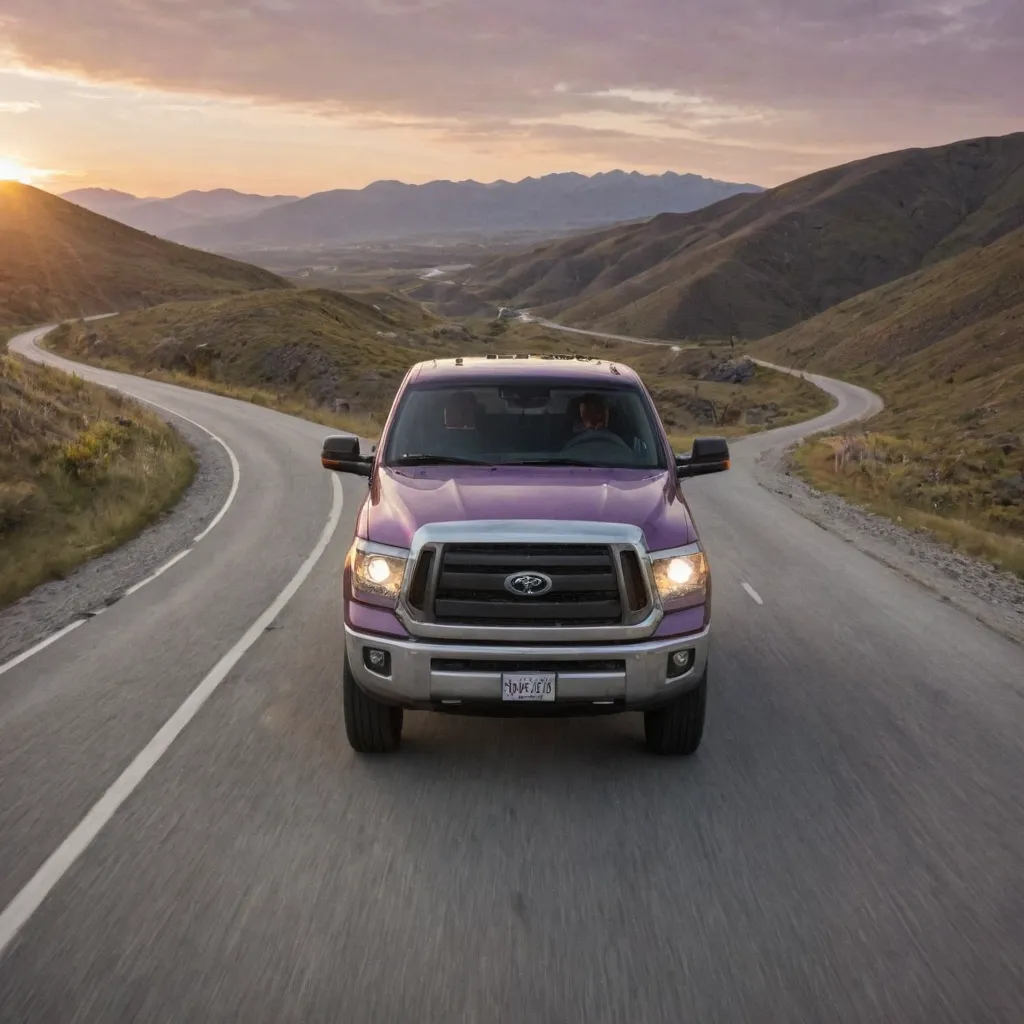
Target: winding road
186, 836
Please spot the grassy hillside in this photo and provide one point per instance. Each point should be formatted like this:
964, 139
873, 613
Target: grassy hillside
338, 359
81, 470
945, 348
753, 265
59, 260
316, 352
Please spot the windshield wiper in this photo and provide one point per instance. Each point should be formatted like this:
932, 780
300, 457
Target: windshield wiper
435, 460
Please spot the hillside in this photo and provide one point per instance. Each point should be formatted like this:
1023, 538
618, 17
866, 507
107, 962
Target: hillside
304, 350
59, 260
753, 265
945, 348
394, 210
338, 359
82, 469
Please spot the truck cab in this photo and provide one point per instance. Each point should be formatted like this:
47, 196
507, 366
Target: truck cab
525, 548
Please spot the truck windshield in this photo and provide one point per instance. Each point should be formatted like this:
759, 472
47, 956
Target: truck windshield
525, 424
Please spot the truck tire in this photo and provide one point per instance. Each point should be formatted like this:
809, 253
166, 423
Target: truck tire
372, 726
676, 729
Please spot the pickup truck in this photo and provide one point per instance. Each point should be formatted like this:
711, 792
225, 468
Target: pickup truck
525, 548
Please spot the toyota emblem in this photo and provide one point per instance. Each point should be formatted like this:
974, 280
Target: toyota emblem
528, 584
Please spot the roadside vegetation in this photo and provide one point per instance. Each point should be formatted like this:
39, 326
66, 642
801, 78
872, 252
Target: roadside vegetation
945, 349
81, 471
338, 359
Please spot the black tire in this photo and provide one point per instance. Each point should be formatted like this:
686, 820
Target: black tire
676, 729
372, 726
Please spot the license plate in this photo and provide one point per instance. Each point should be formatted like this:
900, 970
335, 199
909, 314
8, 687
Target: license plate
528, 686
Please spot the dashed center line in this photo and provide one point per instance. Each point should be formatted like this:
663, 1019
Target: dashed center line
752, 592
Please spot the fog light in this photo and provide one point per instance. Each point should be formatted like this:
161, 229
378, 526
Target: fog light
377, 661
679, 663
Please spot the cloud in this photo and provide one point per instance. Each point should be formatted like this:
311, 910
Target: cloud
734, 73
17, 106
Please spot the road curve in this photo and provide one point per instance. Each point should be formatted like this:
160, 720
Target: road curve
846, 845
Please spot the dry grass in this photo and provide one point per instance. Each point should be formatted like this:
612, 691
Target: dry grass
945, 349
81, 471
967, 499
338, 360
316, 353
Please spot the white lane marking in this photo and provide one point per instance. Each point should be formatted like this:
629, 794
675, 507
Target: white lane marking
163, 568
752, 592
35, 649
28, 900
236, 474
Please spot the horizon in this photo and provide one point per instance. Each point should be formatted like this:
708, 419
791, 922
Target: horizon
295, 97
384, 181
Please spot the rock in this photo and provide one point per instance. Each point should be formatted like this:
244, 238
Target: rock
304, 365
731, 372
452, 331
341, 405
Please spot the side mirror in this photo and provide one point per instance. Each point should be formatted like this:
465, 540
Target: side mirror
341, 453
709, 455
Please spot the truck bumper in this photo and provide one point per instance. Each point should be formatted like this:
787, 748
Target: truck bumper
430, 675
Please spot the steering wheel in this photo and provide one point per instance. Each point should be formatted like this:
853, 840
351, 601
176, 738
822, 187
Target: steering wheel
596, 437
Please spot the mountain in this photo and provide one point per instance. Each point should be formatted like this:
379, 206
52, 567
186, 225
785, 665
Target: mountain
755, 264
108, 202
392, 210
162, 216
59, 260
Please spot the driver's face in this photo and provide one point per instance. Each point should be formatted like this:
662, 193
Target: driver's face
594, 413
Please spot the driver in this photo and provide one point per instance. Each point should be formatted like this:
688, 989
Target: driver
594, 412
592, 426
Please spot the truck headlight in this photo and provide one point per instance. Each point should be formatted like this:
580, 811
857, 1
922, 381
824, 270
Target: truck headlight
377, 570
681, 577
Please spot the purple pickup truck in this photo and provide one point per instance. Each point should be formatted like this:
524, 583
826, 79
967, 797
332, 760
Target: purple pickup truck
525, 549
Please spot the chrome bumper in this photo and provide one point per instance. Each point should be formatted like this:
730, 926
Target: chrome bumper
415, 681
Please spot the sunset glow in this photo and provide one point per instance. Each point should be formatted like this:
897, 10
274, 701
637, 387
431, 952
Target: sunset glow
14, 170
295, 96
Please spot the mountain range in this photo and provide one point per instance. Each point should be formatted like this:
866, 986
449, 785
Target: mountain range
227, 221
755, 264
163, 216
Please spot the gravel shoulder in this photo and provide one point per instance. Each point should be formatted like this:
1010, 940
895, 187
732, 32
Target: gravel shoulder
994, 598
103, 580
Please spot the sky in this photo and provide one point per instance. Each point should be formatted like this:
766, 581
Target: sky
295, 96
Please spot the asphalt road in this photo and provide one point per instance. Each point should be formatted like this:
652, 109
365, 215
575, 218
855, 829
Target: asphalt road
847, 845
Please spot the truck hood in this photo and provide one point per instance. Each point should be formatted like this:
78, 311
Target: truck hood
403, 500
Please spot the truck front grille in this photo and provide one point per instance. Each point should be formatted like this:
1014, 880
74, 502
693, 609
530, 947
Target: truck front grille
471, 585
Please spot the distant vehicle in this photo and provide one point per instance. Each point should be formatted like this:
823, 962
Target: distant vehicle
525, 549
508, 314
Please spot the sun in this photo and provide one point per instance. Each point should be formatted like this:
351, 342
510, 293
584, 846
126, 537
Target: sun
14, 170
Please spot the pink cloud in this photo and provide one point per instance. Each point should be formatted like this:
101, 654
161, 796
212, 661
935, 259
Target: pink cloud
784, 74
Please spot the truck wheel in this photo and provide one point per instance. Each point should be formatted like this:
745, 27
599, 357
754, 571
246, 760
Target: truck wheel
372, 726
677, 728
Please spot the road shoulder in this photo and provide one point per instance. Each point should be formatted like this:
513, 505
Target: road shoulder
103, 580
